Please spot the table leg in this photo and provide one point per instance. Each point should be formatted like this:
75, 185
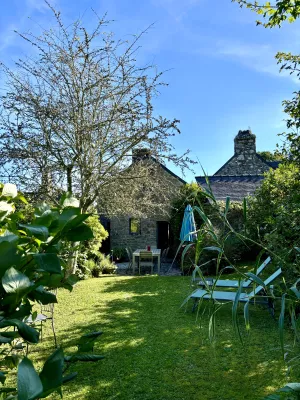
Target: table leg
134, 264
158, 264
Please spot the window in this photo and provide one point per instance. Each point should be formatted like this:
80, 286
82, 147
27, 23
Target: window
134, 226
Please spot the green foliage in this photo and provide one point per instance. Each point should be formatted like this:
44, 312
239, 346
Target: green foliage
119, 254
276, 207
274, 14
214, 243
106, 266
269, 156
100, 265
91, 262
31, 262
274, 215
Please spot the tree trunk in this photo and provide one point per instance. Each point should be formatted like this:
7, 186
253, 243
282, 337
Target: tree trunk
72, 259
69, 178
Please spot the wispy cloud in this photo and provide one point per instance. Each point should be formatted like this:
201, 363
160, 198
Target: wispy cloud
177, 9
39, 5
259, 57
7, 37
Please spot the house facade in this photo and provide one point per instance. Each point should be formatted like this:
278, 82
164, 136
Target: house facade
242, 174
137, 232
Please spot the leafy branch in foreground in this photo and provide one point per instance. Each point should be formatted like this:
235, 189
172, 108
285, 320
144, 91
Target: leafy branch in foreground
274, 13
31, 264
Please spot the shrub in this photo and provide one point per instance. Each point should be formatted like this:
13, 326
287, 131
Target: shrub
237, 249
30, 265
234, 248
89, 251
274, 214
119, 254
106, 265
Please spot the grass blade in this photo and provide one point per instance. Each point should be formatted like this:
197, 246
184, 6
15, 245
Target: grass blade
235, 309
245, 212
227, 205
294, 324
186, 249
281, 322
246, 316
256, 279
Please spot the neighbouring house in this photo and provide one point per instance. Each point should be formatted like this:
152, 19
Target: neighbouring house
242, 173
136, 231
237, 178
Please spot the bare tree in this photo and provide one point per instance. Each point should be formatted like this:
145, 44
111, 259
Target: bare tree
72, 113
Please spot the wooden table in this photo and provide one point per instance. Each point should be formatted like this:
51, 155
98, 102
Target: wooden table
136, 254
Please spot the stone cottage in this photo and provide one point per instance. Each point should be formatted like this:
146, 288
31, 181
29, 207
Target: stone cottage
242, 173
137, 232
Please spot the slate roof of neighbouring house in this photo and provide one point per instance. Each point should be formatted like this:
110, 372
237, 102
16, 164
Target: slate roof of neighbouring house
235, 187
274, 164
230, 178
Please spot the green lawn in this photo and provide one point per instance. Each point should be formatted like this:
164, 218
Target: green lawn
155, 350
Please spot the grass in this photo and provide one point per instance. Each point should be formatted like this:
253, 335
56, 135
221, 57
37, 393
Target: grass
155, 350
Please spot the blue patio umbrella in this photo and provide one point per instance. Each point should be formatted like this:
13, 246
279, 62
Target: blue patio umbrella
188, 226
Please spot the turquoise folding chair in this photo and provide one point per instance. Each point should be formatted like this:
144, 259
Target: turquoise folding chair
230, 296
233, 282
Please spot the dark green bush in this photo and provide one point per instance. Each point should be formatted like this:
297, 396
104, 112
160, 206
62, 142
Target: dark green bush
106, 265
274, 215
119, 254
89, 256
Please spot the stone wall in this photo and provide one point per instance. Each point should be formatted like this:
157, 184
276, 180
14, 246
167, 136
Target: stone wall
245, 160
242, 174
120, 236
119, 225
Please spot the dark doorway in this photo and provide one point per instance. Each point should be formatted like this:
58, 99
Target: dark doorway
163, 234
105, 246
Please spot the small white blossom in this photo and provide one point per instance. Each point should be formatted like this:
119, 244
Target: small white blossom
9, 190
5, 208
71, 202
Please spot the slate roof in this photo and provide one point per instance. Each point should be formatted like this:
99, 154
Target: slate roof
235, 187
230, 178
274, 164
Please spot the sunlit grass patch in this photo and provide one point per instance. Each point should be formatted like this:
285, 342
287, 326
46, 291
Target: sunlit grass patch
155, 350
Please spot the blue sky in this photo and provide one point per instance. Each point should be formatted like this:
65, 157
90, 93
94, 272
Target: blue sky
222, 74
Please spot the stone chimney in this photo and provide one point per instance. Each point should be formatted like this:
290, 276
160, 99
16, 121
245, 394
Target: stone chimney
245, 144
140, 154
245, 160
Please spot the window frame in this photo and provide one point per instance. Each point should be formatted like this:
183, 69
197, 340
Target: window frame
139, 226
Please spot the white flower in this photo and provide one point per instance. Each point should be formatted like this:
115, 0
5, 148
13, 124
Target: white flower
9, 190
5, 209
71, 202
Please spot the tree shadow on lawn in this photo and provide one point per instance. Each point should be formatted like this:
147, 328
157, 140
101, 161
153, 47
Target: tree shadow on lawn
155, 350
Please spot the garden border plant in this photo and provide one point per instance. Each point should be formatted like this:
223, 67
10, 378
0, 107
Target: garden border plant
33, 259
289, 297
